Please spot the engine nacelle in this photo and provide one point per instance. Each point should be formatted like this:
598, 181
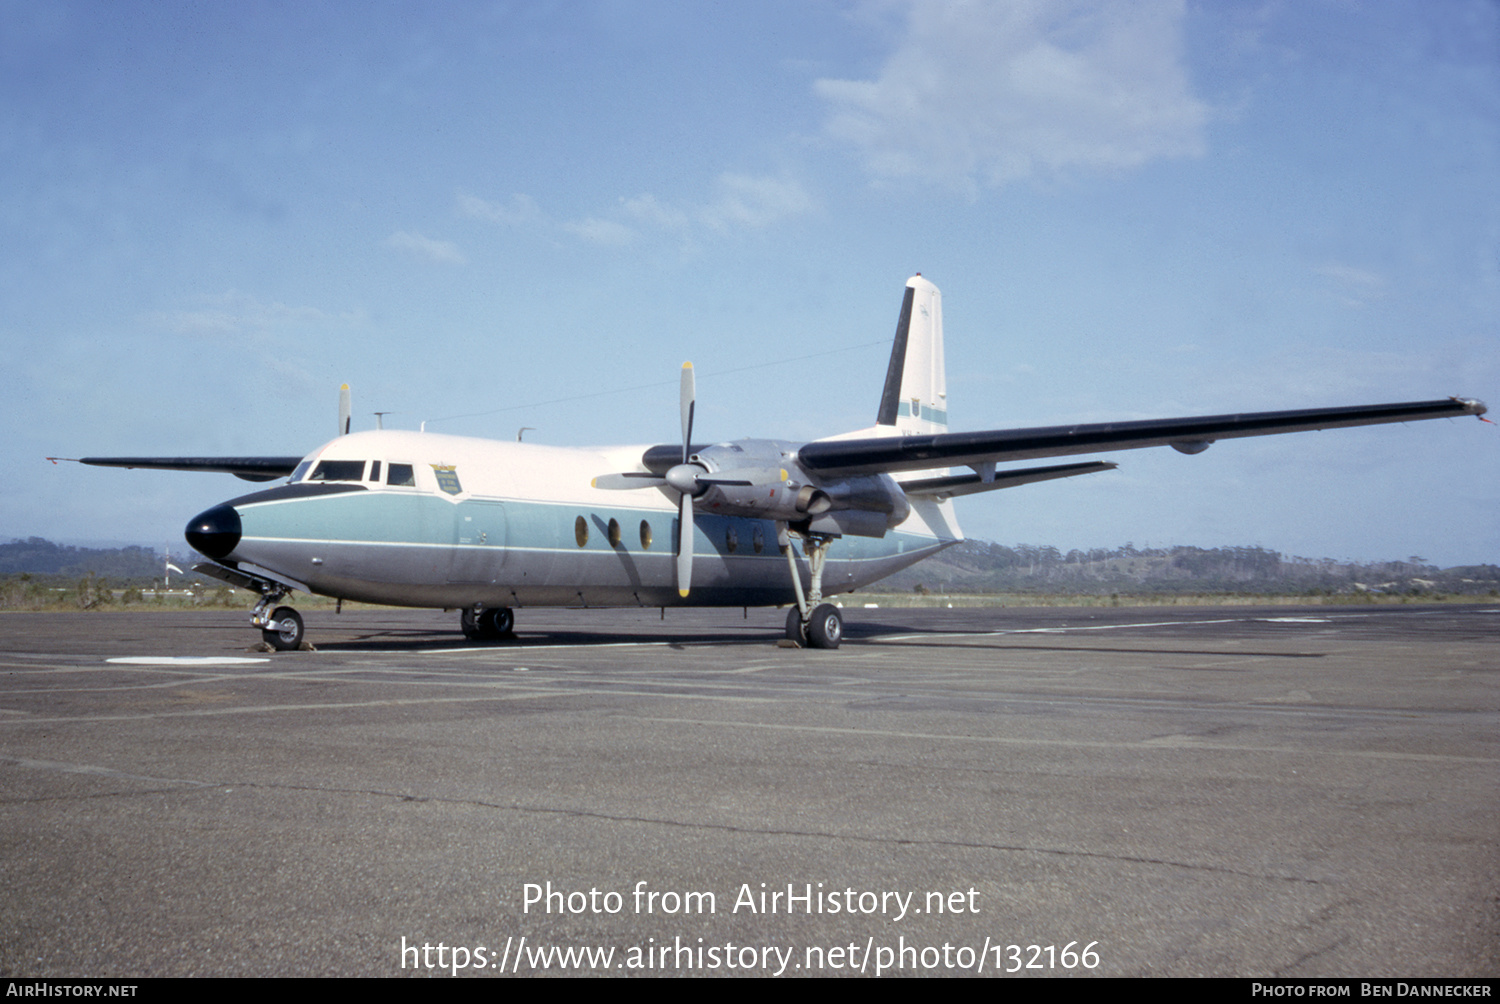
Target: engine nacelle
775, 488
783, 500
875, 493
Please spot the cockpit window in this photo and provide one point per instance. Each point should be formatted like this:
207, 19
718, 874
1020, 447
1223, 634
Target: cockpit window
339, 470
374, 470
401, 474
300, 472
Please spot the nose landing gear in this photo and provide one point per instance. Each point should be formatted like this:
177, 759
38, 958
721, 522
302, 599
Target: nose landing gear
282, 627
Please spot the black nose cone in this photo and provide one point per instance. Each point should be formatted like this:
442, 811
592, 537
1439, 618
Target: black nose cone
215, 532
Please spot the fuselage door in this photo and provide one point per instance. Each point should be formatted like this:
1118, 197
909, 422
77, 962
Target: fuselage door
479, 538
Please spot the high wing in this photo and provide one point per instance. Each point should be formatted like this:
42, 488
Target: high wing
981, 450
249, 468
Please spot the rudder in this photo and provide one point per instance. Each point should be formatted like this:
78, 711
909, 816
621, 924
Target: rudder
915, 398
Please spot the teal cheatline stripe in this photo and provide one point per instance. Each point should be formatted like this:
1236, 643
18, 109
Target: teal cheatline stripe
937, 415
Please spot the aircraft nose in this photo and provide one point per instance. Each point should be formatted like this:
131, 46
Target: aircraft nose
214, 532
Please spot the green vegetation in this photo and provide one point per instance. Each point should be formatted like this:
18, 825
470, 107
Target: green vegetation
977, 567
36, 574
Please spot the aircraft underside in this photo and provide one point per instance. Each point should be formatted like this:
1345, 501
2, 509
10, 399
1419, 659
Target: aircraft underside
405, 575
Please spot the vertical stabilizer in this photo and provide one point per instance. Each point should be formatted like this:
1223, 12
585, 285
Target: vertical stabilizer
915, 399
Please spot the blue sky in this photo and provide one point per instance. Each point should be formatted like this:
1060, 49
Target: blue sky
485, 216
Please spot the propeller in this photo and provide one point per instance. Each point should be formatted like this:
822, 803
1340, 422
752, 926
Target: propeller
685, 482
344, 410
690, 480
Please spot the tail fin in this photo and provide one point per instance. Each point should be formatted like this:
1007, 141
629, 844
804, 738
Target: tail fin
915, 399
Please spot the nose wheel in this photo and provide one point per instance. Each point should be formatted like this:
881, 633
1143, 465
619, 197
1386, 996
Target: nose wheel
282, 627
284, 630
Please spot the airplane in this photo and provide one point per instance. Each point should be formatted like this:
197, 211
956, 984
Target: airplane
488, 527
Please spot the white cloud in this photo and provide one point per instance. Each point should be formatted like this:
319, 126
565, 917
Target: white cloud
993, 92
522, 210
597, 231
235, 313
1355, 287
650, 212
754, 201
427, 247
739, 202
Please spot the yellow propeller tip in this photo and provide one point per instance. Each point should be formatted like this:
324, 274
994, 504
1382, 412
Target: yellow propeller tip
682, 592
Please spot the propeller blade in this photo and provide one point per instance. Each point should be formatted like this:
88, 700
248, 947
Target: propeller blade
630, 479
685, 546
344, 410
689, 395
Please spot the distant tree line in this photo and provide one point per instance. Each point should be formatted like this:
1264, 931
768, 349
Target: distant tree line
36, 574
34, 568
37, 556
983, 566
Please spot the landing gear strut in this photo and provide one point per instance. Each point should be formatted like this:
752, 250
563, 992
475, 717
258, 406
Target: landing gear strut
487, 623
811, 622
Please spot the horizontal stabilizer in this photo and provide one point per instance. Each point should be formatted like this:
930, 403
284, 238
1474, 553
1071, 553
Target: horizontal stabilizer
249, 468
922, 452
971, 484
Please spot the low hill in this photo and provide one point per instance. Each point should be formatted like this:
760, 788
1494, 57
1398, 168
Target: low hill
979, 566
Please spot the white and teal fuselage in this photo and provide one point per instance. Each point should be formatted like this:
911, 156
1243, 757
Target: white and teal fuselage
516, 524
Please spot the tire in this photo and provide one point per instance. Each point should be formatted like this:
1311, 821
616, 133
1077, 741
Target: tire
285, 633
826, 628
469, 625
794, 627
498, 623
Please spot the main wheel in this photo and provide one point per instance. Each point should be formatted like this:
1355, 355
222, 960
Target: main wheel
825, 629
794, 626
498, 623
285, 632
469, 625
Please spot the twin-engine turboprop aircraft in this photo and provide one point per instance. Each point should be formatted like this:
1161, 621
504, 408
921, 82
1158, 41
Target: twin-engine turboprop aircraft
487, 527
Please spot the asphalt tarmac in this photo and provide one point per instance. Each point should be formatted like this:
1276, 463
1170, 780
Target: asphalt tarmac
1225, 791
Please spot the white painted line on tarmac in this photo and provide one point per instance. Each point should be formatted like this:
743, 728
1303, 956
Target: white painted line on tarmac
1191, 744
1050, 630
183, 660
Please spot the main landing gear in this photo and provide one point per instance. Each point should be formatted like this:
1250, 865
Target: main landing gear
282, 627
487, 623
811, 623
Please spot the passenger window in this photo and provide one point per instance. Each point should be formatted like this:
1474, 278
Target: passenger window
402, 475
339, 470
